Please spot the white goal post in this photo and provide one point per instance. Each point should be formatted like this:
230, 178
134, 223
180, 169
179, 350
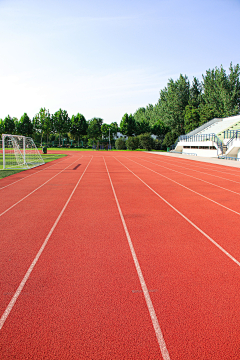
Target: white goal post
19, 152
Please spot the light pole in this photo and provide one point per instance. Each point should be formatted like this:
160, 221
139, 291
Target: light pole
109, 140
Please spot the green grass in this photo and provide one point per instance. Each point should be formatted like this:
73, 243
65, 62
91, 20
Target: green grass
64, 149
46, 157
81, 149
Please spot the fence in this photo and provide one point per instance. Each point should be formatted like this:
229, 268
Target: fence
228, 158
228, 134
200, 137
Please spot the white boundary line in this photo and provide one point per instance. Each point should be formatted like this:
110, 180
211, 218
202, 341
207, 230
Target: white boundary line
215, 202
4, 212
30, 269
188, 220
194, 177
156, 326
199, 167
25, 177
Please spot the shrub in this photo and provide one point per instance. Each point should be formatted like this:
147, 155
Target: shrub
132, 143
120, 144
44, 150
157, 144
146, 141
169, 139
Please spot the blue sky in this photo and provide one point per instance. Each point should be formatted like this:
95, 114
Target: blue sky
106, 58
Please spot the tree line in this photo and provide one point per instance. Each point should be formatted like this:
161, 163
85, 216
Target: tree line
60, 129
181, 107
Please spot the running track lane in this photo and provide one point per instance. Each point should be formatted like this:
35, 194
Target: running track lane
181, 279
83, 299
229, 180
18, 190
26, 225
219, 223
218, 169
195, 287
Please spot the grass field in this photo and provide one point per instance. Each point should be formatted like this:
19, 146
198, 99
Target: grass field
81, 149
46, 157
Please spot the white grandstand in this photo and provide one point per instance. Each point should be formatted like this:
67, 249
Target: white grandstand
216, 138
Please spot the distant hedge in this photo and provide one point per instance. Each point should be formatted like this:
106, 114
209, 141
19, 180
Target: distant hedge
120, 144
132, 143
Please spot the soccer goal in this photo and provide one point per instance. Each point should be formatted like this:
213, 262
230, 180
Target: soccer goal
19, 152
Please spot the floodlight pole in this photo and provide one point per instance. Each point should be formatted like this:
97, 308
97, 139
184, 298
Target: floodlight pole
109, 140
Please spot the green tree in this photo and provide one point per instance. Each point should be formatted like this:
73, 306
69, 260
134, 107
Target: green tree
48, 126
191, 118
61, 122
132, 143
1, 127
221, 93
142, 127
128, 125
9, 125
170, 139
111, 129
146, 141
25, 126
192, 113
120, 144
142, 123
78, 127
159, 128
43, 123
114, 129
172, 102
105, 130
94, 128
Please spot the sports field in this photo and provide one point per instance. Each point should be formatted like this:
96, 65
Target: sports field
120, 255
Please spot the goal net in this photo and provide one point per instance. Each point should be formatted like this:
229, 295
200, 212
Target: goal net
19, 152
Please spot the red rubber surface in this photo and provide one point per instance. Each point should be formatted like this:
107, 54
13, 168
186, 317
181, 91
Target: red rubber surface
83, 299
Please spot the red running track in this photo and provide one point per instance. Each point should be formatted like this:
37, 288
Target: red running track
153, 275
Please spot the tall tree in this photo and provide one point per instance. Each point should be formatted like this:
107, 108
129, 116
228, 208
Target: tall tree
128, 125
25, 126
159, 128
192, 113
9, 125
172, 102
105, 130
78, 127
114, 129
94, 128
221, 93
1, 127
111, 129
191, 118
61, 123
42, 122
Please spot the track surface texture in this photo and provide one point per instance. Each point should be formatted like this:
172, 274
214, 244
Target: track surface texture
120, 255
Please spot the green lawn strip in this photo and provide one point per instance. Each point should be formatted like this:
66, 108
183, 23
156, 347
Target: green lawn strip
80, 149
46, 158
66, 149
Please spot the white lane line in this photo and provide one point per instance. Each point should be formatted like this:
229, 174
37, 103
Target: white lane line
188, 220
215, 202
4, 212
194, 177
30, 269
207, 168
25, 177
156, 326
